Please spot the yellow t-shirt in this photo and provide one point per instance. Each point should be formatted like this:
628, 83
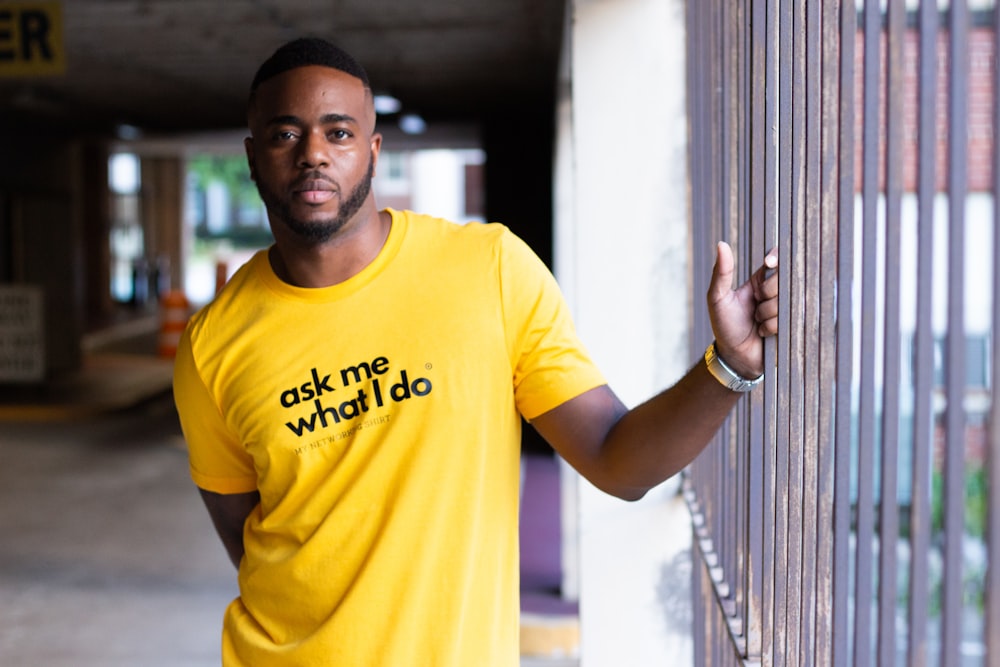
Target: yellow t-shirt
380, 420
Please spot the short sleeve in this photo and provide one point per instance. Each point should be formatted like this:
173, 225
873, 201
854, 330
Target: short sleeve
550, 363
218, 460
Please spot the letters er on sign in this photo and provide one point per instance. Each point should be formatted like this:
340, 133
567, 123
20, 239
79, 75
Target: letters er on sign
31, 40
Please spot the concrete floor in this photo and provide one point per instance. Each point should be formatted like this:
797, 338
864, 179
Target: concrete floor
107, 557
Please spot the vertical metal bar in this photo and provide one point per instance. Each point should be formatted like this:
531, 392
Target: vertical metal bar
699, 600
697, 156
715, 629
720, 230
719, 153
955, 349
737, 555
923, 359
767, 39
730, 222
792, 238
731, 232
841, 641
783, 485
706, 230
694, 155
888, 509
701, 232
705, 490
737, 65
736, 439
761, 508
742, 226
810, 227
869, 264
992, 628
831, 156
714, 227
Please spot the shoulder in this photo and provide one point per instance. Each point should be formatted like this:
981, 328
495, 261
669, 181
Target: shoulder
235, 302
447, 241
422, 226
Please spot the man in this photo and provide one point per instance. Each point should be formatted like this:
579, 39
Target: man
352, 399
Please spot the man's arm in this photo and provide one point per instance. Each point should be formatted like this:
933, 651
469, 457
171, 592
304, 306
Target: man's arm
229, 512
627, 452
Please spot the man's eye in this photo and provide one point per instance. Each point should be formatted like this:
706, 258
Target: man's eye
284, 135
340, 134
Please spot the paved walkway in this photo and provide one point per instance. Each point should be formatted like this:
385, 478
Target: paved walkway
107, 558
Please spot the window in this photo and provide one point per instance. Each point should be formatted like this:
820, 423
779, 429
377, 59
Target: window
129, 273
225, 219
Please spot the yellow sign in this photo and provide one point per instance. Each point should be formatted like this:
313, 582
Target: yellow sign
31, 39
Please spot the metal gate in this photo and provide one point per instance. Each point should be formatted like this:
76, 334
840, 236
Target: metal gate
847, 514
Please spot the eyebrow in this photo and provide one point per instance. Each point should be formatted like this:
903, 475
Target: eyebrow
289, 119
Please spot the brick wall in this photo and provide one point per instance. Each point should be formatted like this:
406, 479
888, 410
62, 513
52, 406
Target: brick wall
982, 64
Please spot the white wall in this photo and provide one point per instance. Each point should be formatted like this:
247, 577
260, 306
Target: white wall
621, 256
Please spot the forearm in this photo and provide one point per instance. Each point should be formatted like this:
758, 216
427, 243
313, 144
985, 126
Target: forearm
229, 513
234, 548
627, 452
657, 439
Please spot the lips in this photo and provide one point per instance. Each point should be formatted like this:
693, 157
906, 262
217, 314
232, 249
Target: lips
315, 191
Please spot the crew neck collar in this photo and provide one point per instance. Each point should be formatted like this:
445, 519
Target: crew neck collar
318, 294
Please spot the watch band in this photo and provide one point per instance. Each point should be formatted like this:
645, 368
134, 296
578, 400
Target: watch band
726, 375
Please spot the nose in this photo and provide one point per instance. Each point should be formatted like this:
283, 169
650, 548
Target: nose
312, 150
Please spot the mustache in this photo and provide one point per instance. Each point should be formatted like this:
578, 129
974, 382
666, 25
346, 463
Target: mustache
311, 177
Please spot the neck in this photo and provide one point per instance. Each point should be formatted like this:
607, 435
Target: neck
336, 260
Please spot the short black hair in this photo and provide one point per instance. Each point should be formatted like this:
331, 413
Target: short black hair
308, 51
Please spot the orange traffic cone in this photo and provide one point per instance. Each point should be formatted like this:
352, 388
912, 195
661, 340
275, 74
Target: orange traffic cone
174, 314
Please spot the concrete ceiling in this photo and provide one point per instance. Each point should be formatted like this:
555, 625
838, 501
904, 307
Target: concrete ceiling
182, 66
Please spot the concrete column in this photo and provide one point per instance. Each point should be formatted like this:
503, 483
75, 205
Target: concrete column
44, 235
162, 211
621, 255
95, 216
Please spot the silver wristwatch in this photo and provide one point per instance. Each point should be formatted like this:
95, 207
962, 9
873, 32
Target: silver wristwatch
726, 375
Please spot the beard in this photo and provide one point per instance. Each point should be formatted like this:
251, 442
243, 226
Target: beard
315, 232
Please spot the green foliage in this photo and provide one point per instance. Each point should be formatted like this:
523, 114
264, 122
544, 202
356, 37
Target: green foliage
230, 170
976, 508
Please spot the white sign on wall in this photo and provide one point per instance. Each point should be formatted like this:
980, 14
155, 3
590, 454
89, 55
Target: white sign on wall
22, 346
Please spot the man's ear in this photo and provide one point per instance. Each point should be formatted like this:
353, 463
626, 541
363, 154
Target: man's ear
248, 147
376, 144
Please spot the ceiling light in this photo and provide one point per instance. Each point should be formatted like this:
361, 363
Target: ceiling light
386, 104
127, 132
411, 123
